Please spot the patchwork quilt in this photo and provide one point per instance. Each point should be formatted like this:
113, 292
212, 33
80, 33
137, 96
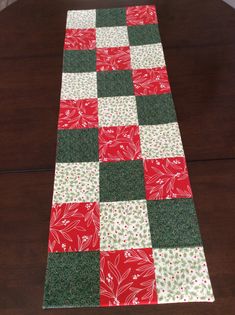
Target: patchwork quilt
123, 227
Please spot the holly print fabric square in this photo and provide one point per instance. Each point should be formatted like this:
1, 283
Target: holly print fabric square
78, 114
114, 58
119, 144
123, 226
80, 39
74, 227
163, 140
166, 178
127, 277
117, 111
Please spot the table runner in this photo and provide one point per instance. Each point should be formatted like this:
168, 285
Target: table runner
123, 228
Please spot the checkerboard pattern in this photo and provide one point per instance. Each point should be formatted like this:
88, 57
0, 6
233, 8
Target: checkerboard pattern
123, 228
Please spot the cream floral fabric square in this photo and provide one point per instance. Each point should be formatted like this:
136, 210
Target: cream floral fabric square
76, 182
182, 275
79, 86
147, 56
161, 141
124, 225
117, 111
111, 36
81, 19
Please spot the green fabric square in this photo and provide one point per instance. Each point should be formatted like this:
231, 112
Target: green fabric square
110, 17
173, 223
114, 83
143, 34
80, 145
122, 181
79, 61
155, 109
72, 279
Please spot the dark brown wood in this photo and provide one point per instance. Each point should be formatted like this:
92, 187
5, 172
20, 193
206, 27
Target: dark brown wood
25, 208
198, 40
199, 44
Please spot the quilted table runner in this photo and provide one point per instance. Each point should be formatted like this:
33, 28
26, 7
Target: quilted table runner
123, 228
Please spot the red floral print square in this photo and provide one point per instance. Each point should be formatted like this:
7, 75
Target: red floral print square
74, 227
166, 178
127, 277
139, 15
78, 114
150, 81
120, 143
80, 39
115, 58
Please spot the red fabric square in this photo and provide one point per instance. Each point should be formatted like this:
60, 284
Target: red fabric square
74, 227
78, 114
115, 58
166, 178
150, 81
127, 277
119, 143
80, 39
139, 15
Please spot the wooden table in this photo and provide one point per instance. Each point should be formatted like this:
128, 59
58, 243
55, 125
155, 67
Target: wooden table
199, 43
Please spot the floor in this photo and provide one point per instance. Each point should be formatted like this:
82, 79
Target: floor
199, 45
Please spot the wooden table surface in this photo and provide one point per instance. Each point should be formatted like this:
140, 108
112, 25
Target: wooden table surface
199, 44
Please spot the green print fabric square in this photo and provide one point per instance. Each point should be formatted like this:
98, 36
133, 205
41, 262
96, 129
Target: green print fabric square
114, 83
173, 223
143, 34
122, 181
79, 61
110, 17
155, 109
72, 280
77, 145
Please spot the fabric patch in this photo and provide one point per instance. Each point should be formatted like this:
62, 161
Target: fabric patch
78, 145
76, 182
110, 17
147, 56
111, 36
121, 186
155, 109
80, 39
142, 14
119, 143
78, 114
116, 58
114, 83
182, 275
173, 223
124, 225
72, 280
158, 141
81, 19
127, 277
143, 35
117, 111
151, 81
74, 227
79, 61
78, 86
166, 179
122, 181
